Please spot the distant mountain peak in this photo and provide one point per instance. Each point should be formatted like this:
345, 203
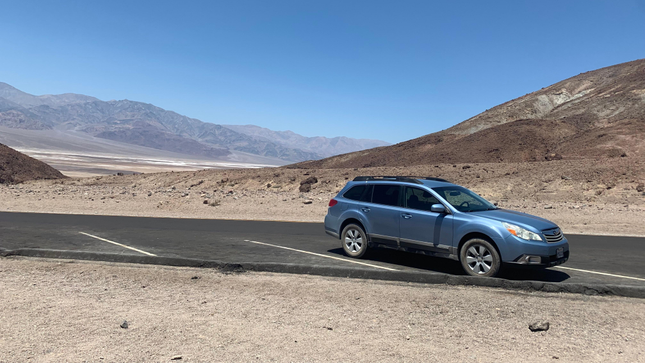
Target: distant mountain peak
144, 124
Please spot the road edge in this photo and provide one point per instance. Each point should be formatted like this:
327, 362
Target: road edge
434, 278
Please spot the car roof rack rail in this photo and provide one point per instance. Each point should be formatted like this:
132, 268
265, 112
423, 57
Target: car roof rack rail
406, 179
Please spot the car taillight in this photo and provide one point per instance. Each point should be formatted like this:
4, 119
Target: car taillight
333, 202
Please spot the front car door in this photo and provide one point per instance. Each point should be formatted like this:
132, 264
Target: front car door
422, 229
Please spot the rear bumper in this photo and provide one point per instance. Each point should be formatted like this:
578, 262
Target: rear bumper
332, 233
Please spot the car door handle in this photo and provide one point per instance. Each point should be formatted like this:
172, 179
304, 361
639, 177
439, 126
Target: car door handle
406, 215
365, 209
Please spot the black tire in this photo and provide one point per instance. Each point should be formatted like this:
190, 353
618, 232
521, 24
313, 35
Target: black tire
354, 241
480, 258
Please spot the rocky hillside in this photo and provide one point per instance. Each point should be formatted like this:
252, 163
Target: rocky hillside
597, 114
16, 167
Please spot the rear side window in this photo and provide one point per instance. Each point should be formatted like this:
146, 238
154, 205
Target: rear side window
362, 193
386, 194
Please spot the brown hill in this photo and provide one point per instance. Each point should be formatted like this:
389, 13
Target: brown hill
16, 167
595, 114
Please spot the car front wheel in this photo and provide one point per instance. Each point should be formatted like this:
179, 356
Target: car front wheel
354, 241
479, 258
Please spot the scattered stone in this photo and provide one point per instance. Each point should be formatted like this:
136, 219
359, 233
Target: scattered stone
195, 278
305, 188
205, 201
307, 202
564, 177
539, 326
328, 328
119, 174
640, 188
548, 206
150, 194
310, 180
124, 325
176, 357
466, 167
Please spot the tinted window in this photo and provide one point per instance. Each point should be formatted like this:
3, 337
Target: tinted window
355, 193
361, 193
386, 194
420, 199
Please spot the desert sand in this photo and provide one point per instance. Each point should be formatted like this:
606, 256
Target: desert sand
588, 197
66, 311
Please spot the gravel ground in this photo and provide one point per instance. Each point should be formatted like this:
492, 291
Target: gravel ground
66, 311
591, 197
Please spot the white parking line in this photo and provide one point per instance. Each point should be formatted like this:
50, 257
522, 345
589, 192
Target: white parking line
321, 255
118, 244
600, 273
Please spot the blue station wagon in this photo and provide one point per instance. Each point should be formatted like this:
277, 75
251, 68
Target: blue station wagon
439, 218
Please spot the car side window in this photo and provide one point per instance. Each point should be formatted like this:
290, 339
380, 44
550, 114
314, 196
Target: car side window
355, 193
420, 199
386, 194
361, 193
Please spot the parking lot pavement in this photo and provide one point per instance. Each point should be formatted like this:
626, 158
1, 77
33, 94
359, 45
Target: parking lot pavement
594, 259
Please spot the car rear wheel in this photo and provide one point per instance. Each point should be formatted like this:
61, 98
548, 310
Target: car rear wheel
480, 258
354, 241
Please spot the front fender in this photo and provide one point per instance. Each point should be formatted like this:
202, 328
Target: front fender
482, 226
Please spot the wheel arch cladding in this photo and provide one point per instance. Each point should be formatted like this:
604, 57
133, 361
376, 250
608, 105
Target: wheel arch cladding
351, 221
479, 235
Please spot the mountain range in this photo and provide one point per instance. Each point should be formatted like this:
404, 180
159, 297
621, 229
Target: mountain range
146, 125
596, 114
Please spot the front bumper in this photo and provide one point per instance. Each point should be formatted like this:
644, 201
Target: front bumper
527, 252
548, 261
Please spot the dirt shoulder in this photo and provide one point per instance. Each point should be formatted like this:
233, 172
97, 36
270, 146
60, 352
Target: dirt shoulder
53, 311
591, 197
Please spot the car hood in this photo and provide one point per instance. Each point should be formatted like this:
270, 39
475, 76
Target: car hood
514, 217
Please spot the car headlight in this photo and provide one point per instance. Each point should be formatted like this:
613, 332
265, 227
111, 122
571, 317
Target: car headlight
521, 232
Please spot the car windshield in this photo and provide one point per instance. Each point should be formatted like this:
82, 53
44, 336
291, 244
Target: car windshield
464, 200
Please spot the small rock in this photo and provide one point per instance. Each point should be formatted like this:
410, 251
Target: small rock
176, 357
640, 188
205, 201
564, 177
124, 325
539, 326
310, 180
307, 202
548, 206
466, 167
150, 194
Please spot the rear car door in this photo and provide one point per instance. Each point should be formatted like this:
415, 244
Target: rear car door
422, 229
384, 214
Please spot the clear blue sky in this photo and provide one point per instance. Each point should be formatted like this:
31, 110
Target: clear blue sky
390, 70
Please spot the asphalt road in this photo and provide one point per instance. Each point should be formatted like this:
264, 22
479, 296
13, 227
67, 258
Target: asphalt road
594, 259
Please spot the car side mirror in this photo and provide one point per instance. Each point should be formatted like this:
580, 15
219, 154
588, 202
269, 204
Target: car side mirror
438, 208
